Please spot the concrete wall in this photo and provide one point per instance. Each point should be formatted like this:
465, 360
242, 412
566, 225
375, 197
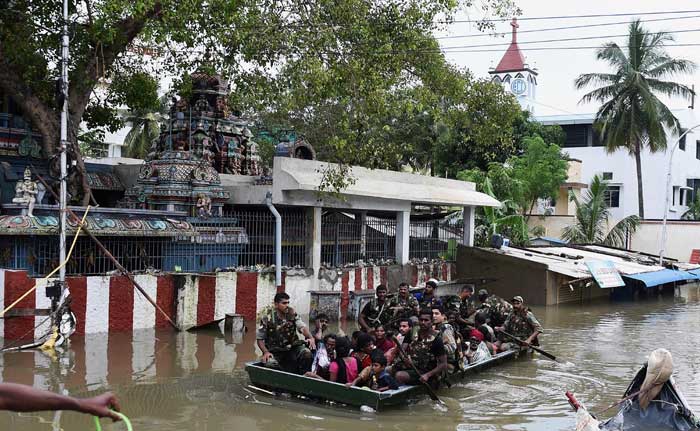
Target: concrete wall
110, 303
683, 236
513, 276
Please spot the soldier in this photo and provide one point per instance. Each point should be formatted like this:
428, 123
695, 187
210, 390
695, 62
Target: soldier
376, 312
277, 337
496, 307
448, 334
404, 305
429, 299
520, 323
465, 308
426, 352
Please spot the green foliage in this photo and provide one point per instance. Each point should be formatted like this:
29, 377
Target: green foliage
137, 91
92, 143
693, 211
593, 219
526, 127
541, 170
631, 116
499, 220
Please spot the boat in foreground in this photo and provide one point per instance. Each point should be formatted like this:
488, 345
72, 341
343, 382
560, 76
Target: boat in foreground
665, 408
284, 382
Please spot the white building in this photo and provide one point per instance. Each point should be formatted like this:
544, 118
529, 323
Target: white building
619, 169
515, 74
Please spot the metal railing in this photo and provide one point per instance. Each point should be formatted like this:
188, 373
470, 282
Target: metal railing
433, 239
348, 237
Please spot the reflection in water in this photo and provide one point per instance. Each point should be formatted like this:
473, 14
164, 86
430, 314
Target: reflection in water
195, 381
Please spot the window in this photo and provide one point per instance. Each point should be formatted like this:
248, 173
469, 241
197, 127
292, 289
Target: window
576, 135
612, 197
697, 150
681, 143
607, 176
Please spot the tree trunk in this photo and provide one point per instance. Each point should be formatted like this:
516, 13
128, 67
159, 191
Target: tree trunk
640, 184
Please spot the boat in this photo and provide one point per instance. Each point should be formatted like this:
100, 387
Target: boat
276, 381
667, 410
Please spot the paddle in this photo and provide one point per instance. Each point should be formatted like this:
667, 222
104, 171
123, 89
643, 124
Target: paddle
536, 349
431, 392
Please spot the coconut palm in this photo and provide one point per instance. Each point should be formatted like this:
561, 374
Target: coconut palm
631, 116
145, 127
593, 218
501, 220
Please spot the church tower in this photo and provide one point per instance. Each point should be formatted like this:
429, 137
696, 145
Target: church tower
515, 74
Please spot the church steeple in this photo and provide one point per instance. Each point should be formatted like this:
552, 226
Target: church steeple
514, 73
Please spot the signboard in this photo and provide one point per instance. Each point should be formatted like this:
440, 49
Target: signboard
605, 273
695, 256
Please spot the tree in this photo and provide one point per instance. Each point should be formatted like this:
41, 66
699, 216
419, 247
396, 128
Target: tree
593, 219
526, 127
541, 170
305, 52
631, 116
693, 211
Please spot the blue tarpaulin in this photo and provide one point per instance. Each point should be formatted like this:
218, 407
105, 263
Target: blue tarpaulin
664, 276
695, 272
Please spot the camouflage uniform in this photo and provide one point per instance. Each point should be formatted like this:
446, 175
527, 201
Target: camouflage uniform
467, 307
409, 308
281, 339
497, 310
449, 339
430, 302
452, 303
424, 353
522, 325
377, 314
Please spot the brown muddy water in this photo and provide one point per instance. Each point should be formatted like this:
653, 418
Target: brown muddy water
189, 381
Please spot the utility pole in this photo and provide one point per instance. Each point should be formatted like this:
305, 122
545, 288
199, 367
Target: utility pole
64, 147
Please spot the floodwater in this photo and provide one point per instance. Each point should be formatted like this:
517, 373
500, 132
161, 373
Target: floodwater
196, 381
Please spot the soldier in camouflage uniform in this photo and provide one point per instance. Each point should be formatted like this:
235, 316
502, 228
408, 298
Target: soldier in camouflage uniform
429, 298
277, 337
377, 311
403, 306
495, 307
448, 334
520, 323
426, 352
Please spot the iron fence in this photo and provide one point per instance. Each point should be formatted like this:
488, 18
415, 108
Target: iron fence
433, 239
348, 237
240, 238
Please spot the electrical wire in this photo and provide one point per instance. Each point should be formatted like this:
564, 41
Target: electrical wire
570, 27
565, 48
569, 39
598, 15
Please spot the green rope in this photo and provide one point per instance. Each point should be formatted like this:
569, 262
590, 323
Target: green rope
122, 416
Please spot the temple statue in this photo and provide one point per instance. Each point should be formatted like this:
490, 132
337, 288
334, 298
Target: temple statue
26, 192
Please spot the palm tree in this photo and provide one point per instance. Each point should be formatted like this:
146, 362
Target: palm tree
593, 218
502, 220
631, 116
145, 127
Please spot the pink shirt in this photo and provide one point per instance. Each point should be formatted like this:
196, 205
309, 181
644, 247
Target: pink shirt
350, 369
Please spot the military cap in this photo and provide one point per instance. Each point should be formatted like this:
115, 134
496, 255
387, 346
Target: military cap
518, 298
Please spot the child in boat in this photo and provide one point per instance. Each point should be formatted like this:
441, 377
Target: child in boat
376, 377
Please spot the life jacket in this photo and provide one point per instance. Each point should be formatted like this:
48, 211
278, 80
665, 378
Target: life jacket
280, 332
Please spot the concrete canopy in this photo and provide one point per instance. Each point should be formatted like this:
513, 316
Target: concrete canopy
296, 182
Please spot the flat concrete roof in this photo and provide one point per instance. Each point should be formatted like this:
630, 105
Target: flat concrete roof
296, 182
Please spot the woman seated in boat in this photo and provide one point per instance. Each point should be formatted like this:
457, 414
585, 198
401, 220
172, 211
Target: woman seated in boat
375, 377
380, 341
365, 346
344, 368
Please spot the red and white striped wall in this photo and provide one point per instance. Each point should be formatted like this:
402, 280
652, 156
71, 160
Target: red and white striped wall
111, 304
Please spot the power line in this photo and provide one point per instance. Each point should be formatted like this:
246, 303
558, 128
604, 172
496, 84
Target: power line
554, 48
541, 18
559, 40
538, 30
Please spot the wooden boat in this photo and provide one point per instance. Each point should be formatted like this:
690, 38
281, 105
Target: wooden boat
278, 381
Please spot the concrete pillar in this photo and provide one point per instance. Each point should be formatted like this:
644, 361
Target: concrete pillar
313, 239
403, 220
469, 214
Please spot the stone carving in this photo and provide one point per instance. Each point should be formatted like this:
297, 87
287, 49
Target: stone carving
203, 206
26, 192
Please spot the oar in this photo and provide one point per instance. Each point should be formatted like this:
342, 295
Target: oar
536, 349
431, 392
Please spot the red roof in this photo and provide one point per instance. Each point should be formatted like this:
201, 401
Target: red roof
513, 59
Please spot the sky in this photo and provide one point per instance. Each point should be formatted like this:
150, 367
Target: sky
558, 68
